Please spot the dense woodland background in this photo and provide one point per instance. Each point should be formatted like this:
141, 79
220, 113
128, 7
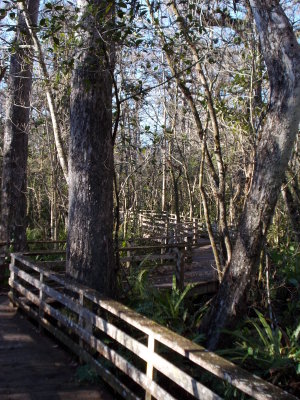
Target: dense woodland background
188, 107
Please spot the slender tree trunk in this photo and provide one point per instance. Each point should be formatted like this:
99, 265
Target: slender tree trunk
15, 151
220, 192
90, 257
49, 92
281, 52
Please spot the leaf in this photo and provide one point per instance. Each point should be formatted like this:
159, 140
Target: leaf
266, 326
296, 333
43, 22
182, 296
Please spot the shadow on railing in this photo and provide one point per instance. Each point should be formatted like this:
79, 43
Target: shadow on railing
130, 352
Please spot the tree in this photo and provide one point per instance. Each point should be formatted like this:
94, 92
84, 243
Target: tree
90, 257
281, 53
14, 170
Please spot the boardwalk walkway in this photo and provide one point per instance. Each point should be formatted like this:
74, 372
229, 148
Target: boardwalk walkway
201, 271
32, 367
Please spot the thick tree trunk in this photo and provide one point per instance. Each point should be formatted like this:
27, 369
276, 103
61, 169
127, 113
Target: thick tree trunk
90, 257
15, 151
282, 56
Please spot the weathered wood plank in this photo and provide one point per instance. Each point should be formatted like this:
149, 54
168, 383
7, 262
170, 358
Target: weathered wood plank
239, 378
148, 257
174, 373
34, 368
106, 375
123, 364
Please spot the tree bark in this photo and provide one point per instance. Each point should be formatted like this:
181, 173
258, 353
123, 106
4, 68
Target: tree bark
90, 258
15, 151
281, 52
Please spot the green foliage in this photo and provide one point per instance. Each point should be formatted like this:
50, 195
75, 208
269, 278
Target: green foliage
172, 308
34, 234
270, 352
287, 260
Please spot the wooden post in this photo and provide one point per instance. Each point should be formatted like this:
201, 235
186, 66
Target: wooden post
128, 263
41, 299
12, 278
125, 216
162, 249
81, 321
179, 273
195, 230
150, 370
189, 242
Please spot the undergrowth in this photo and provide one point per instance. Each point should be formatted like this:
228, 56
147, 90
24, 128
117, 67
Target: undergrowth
266, 342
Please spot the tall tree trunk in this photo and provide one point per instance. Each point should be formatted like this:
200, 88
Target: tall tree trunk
281, 52
90, 257
15, 151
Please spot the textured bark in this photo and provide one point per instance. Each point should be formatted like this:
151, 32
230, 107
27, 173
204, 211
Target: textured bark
282, 57
293, 208
90, 257
15, 151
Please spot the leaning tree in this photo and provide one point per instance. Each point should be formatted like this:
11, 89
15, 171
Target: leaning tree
281, 53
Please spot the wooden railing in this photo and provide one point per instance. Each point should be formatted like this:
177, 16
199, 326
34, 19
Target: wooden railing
111, 337
151, 224
131, 255
174, 255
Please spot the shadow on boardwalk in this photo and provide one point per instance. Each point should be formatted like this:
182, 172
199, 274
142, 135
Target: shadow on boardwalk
32, 367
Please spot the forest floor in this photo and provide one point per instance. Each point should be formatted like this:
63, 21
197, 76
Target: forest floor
33, 367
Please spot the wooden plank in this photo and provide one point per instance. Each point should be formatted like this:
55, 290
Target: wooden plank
241, 379
104, 350
155, 246
224, 369
149, 368
106, 375
154, 360
148, 257
42, 252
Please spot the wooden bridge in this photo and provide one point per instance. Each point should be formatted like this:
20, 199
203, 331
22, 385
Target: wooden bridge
138, 358
34, 367
162, 246
179, 248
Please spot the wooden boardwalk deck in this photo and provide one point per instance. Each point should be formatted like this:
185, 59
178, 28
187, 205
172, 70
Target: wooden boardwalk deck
33, 367
201, 271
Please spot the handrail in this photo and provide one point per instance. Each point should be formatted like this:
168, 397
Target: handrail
60, 305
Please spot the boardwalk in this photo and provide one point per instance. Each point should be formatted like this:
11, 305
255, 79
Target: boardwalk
201, 271
33, 367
